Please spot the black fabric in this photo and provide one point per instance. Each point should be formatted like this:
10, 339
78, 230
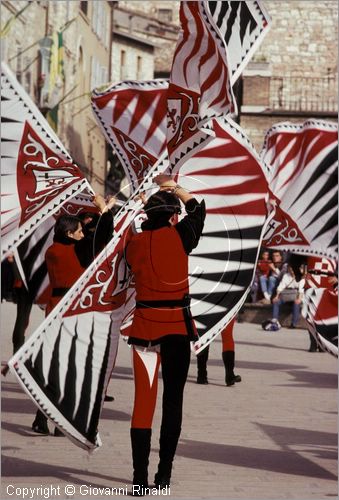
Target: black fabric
59, 292
65, 240
24, 307
153, 304
94, 241
202, 359
152, 224
175, 360
228, 359
191, 226
141, 447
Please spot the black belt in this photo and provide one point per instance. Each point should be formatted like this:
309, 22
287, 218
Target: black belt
59, 292
183, 304
142, 342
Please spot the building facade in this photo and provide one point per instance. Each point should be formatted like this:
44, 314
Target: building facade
86, 39
292, 76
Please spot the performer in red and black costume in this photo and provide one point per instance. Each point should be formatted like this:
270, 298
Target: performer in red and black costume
162, 327
74, 248
228, 357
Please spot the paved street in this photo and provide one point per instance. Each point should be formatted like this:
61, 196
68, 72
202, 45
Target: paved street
273, 436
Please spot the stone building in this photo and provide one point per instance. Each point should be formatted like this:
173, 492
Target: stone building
155, 21
86, 38
293, 75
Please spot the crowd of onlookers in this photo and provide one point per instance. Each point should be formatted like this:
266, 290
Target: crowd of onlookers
279, 279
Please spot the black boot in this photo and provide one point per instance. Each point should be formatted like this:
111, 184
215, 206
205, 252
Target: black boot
168, 445
40, 424
202, 359
141, 447
228, 359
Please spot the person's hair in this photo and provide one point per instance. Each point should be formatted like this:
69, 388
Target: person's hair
86, 215
64, 224
162, 205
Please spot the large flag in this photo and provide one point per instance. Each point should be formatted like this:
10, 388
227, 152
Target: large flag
228, 174
83, 326
71, 393
65, 365
37, 173
304, 187
30, 254
132, 116
320, 309
216, 41
242, 26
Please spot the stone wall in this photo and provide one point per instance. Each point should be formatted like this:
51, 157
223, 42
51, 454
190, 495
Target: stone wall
294, 72
303, 38
139, 60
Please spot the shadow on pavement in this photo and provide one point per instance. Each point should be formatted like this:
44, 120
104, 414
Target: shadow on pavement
11, 387
312, 379
285, 461
18, 405
17, 467
122, 372
257, 365
260, 344
12, 405
284, 436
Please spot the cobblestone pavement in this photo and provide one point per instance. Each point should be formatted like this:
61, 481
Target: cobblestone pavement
272, 436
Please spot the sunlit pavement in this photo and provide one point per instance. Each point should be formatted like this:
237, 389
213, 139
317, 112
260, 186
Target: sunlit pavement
271, 436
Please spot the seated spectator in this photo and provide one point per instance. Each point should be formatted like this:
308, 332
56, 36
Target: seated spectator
290, 289
263, 272
278, 268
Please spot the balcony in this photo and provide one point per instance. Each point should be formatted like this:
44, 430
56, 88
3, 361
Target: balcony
306, 95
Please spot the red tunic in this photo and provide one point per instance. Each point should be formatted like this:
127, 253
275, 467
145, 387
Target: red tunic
63, 268
160, 266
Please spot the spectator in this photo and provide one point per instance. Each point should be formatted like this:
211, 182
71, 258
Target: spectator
290, 289
266, 281
278, 268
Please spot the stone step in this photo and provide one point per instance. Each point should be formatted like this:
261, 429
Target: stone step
257, 313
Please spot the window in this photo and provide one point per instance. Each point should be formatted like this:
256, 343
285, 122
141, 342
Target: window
165, 15
83, 7
18, 67
122, 64
139, 67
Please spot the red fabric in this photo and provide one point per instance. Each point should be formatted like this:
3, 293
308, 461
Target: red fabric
227, 337
160, 267
63, 269
145, 396
264, 266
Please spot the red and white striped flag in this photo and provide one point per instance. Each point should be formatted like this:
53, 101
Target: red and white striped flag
303, 184
37, 173
216, 41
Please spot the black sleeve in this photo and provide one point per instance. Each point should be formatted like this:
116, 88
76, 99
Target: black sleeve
92, 244
104, 231
191, 226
